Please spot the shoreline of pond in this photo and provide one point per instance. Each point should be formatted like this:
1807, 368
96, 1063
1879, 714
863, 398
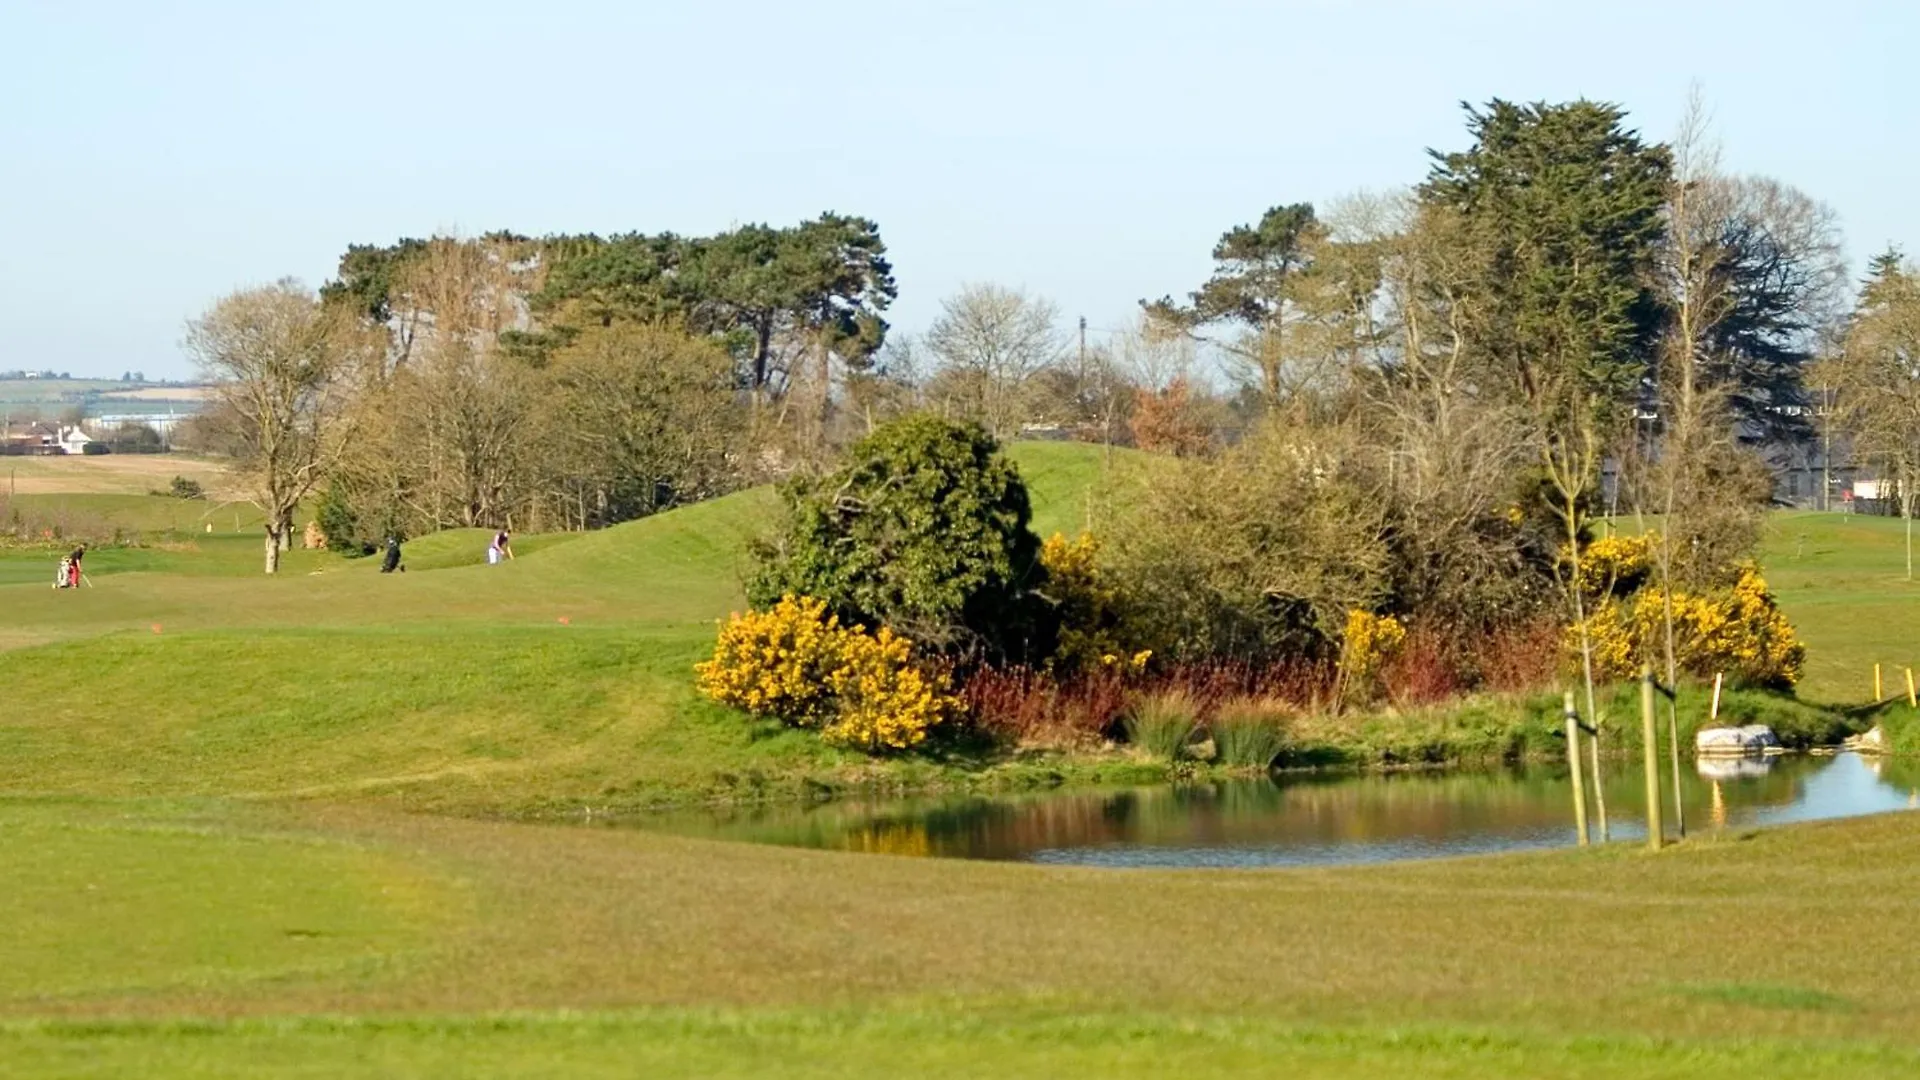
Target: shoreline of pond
1303, 818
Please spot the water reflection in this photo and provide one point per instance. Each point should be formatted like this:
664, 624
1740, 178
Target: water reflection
1303, 820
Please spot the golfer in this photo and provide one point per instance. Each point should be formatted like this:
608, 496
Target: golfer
501, 548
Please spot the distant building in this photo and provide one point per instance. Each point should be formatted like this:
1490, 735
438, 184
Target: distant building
71, 440
41, 437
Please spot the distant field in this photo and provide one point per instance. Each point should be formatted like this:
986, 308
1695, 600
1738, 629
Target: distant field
108, 474
49, 391
194, 394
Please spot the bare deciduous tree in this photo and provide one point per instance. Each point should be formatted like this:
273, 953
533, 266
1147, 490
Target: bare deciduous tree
991, 342
1878, 378
277, 359
640, 418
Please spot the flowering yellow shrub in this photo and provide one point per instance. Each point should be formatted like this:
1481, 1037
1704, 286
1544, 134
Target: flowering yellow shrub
1737, 630
795, 662
1092, 636
884, 701
1367, 643
779, 662
1616, 565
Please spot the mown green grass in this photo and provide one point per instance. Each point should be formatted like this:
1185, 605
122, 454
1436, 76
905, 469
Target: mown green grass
130, 901
1841, 579
718, 957
294, 920
890, 1043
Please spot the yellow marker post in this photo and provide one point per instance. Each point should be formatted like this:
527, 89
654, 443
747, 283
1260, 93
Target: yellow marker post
1911, 703
1650, 752
1877, 696
1573, 762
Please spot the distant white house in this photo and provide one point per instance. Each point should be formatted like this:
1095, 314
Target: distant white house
71, 440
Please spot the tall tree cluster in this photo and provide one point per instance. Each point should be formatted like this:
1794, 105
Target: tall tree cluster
573, 381
1563, 319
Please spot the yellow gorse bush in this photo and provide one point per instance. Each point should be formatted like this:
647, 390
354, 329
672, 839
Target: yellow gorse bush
796, 663
1738, 630
1366, 644
1091, 631
1615, 565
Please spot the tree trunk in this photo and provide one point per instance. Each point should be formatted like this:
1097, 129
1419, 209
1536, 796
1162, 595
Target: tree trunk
762, 348
273, 550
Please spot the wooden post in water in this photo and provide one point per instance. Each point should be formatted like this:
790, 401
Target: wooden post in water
1599, 790
1573, 770
1650, 751
1673, 750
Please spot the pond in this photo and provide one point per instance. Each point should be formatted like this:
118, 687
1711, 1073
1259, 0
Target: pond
1313, 819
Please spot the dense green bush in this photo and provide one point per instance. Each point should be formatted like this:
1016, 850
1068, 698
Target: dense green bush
925, 529
338, 522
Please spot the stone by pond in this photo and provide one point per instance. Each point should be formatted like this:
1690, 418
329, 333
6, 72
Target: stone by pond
1311, 819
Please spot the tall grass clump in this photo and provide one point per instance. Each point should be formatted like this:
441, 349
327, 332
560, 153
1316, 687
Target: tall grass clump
1248, 732
1163, 723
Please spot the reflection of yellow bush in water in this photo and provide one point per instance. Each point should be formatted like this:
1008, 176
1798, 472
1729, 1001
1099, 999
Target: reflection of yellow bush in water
1738, 630
795, 662
892, 838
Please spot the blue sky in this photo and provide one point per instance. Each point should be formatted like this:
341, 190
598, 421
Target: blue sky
154, 156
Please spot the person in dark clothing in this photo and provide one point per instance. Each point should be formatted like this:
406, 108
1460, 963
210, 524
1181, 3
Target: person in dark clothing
73, 565
392, 560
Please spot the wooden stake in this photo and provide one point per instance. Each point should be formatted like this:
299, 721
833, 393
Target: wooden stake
1650, 753
1599, 790
1673, 751
1573, 770
1878, 697
1911, 703
1713, 715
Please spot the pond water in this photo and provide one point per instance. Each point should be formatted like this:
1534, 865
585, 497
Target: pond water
1314, 819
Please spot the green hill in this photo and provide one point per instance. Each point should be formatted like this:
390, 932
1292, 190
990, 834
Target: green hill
562, 675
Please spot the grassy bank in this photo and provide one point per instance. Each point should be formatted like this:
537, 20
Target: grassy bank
561, 680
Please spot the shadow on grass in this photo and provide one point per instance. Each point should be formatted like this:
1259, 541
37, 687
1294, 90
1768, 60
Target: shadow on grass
1768, 996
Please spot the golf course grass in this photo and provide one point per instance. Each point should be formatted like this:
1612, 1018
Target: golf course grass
265, 827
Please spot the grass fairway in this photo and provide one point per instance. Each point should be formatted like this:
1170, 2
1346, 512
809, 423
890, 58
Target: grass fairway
1842, 579
225, 849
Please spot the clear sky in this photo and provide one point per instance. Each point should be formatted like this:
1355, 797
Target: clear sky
156, 155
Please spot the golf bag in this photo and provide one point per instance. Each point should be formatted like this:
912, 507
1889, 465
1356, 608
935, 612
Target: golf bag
65, 576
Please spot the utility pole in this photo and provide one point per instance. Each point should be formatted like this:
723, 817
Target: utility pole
1826, 446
